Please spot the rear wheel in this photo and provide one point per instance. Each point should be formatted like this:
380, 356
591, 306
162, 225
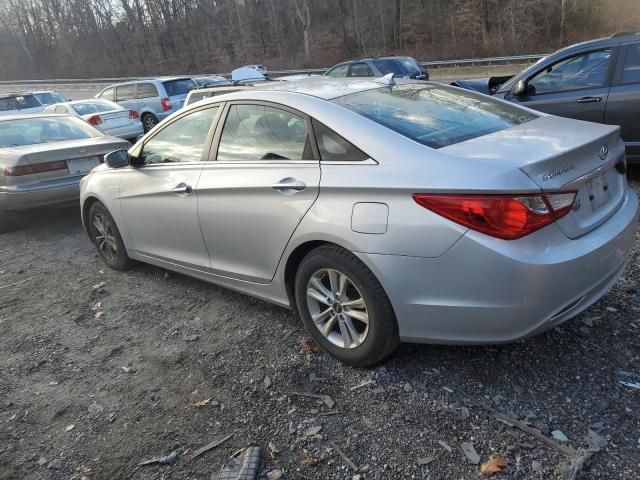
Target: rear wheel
344, 307
107, 239
149, 121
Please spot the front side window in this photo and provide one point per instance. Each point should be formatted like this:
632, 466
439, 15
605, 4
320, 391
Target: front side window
49, 98
33, 131
631, 72
126, 92
360, 70
258, 132
147, 90
435, 115
587, 70
181, 141
339, 71
108, 94
334, 148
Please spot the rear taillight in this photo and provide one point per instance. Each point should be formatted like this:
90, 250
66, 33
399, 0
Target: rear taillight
133, 114
94, 120
35, 168
166, 104
503, 216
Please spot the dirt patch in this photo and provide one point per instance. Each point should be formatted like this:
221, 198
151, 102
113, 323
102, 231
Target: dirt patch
101, 370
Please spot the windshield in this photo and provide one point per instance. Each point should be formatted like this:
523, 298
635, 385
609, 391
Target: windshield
19, 102
97, 106
179, 87
49, 98
33, 131
435, 116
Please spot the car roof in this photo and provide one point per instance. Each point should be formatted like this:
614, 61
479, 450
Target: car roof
24, 116
16, 94
614, 39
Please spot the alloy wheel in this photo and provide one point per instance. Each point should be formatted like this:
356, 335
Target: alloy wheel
105, 238
149, 122
337, 308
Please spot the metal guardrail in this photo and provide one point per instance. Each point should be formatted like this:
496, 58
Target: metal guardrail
310, 71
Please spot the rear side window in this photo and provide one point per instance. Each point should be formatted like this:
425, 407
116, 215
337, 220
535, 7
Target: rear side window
390, 66
435, 116
49, 98
339, 71
179, 87
147, 90
360, 70
258, 132
125, 92
108, 94
631, 72
334, 148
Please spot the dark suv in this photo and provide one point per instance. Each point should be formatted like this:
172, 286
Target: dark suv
401, 67
597, 81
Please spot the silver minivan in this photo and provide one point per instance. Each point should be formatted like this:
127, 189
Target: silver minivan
153, 99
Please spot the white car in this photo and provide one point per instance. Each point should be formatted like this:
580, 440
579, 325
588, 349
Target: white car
17, 103
108, 117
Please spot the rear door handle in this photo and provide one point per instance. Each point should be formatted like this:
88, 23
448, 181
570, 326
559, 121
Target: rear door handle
589, 99
182, 188
289, 184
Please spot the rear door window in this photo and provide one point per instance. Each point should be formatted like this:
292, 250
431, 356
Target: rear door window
179, 87
334, 148
631, 72
147, 90
360, 70
258, 132
125, 92
434, 115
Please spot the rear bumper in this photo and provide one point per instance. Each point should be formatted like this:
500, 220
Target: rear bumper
485, 290
127, 132
40, 195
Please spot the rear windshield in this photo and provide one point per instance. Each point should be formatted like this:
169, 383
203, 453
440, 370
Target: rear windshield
96, 106
33, 131
49, 98
19, 102
179, 87
435, 116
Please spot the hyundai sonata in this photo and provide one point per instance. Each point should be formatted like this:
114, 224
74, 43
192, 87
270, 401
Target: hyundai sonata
382, 211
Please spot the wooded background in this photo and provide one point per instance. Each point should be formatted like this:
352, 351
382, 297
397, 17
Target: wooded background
88, 38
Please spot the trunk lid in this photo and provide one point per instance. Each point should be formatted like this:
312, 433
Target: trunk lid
560, 154
111, 119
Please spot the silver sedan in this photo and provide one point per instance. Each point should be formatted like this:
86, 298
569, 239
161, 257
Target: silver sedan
43, 157
381, 211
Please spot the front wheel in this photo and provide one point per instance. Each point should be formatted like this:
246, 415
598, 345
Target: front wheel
344, 307
107, 239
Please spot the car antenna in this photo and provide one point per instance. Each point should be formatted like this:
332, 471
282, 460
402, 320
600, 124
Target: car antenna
386, 80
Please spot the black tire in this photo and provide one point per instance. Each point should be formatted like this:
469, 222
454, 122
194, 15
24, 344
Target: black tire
148, 121
118, 260
382, 337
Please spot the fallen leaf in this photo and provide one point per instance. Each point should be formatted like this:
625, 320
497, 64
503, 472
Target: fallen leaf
493, 466
99, 285
309, 345
69, 428
202, 403
273, 449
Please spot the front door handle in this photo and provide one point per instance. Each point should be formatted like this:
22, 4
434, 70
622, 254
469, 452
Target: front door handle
289, 185
589, 100
182, 188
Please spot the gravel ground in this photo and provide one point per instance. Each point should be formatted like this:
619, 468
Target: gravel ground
101, 370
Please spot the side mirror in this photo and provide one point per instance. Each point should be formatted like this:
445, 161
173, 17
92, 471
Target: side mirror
520, 89
117, 159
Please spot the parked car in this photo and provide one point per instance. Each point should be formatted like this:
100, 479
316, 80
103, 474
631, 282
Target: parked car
598, 81
153, 99
210, 80
202, 93
27, 102
261, 68
108, 117
381, 211
400, 67
43, 157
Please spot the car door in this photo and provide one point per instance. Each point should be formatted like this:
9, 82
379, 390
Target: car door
576, 86
126, 96
623, 106
158, 195
148, 96
360, 69
265, 177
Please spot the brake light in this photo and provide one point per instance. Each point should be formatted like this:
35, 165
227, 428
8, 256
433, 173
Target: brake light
133, 114
94, 120
35, 168
503, 216
166, 104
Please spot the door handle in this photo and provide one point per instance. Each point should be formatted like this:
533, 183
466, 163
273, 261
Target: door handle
589, 100
289, 184
182, 188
